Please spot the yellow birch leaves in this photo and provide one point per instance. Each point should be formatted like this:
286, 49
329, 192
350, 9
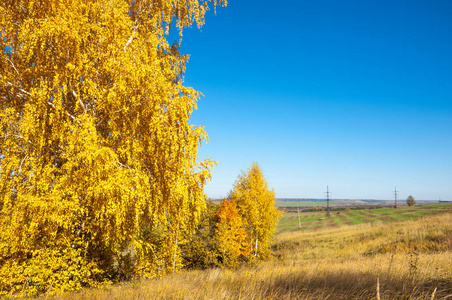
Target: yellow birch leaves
256, 205
96, 151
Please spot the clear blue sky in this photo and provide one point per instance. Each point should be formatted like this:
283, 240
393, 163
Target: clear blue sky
356, 95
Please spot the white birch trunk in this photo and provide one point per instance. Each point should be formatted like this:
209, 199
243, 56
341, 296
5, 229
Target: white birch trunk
175, 252
255, 249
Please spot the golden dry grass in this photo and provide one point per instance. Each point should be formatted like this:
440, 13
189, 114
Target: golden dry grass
409, 259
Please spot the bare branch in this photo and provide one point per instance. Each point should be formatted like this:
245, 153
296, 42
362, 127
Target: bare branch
131, 38
14, 67
79, 100
69, 115
122, 165
17, 87
20, 167
50, 103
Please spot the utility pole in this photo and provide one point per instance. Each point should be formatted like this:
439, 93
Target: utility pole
327, 202
395, 196
299, 220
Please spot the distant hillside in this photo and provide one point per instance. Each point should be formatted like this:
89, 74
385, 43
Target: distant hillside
310, 202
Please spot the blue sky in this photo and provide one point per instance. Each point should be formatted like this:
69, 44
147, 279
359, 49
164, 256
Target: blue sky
356, 95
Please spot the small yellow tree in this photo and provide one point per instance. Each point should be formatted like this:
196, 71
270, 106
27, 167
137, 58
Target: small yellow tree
232, 239
256, 205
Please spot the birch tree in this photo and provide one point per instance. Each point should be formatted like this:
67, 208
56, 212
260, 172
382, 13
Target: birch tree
96, 150
256, 205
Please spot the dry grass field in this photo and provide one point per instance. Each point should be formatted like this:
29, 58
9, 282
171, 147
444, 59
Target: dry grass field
410, 259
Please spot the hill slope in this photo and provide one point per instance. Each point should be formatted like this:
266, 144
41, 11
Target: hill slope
409, 259
314, 221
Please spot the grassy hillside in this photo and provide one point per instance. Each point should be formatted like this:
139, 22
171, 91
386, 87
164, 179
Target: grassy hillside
410, 259
313, 221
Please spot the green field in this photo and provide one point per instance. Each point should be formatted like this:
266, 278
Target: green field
312, 221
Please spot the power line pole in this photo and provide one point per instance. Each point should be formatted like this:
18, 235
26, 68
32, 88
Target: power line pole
298, 208
395, 196
327, 202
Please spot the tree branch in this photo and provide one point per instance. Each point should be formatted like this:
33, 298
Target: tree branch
131, 38
122, 165
17, 136
50, 103
17, 87
20, 167
69, 115
12, 64
79, 100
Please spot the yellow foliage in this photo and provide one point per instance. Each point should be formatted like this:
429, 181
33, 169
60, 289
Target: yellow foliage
97, 155
232, 239
256, 205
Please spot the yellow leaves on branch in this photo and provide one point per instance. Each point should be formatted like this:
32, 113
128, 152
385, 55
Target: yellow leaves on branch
96, 150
